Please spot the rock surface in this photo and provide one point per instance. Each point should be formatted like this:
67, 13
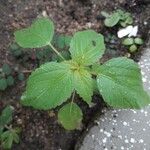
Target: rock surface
123, 129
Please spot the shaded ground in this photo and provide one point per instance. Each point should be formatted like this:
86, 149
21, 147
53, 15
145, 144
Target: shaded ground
40, 130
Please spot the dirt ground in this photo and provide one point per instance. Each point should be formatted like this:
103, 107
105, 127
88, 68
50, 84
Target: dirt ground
40, 129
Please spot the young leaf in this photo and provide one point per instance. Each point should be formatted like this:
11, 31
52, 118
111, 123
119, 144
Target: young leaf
6, 69
48, 86
138, 41
10, 80
3, 84
83, 84
38, 35
70, 116
6, 116
120, 83
133, 48
128, 41
87, 47
8, 137
112, 20
21, 76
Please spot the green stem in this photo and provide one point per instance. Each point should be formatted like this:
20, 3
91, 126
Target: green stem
54, 49
73, 95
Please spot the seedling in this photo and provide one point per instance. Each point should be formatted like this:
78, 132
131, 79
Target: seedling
118, 80
8, 135
16, 50
8, 76
132, 43
6, 79
117, 17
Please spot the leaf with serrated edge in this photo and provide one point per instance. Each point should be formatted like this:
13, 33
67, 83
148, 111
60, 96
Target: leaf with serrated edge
120, 83
70, 116
49, 86
83, 84
38, 35
87, 47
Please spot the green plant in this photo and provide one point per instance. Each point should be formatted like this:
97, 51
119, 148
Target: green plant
118, 80
117, 17
132, 43
6, 79
8, 135
16, 50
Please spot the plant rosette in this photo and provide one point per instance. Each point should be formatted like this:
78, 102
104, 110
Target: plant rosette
118, 80
132, 43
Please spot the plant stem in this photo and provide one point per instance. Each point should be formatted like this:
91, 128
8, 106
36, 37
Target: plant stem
55, 50
73, 95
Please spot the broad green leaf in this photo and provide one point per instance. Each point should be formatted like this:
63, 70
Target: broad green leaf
38, 35
48, 86
120, 83
70, 116
87, 47
83, 84
6, 116
112, 20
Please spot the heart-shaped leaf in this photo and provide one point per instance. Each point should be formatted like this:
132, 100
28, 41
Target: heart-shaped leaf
38, 35
112, 20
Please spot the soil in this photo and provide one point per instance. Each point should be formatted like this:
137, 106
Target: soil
40, 129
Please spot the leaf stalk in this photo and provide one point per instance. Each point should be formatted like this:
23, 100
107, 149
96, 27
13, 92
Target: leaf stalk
55, 50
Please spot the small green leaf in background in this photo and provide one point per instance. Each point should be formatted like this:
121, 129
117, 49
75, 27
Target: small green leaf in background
70, 116
133, 48
6, 116
3, 84
8, 137
21, 76
16, 50
10, 80
120, 83
112, 20
38, 35
87, 47
45, 87
128, 41
138, 41
67, 40
6, 69
62, 41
